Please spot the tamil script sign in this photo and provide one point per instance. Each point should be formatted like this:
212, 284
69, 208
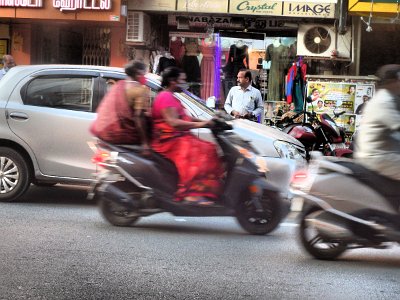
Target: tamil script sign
82, 4
21, 3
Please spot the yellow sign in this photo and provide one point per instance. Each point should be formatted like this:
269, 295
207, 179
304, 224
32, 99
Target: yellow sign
385, 10
252, 7
209, 6
153, 5
309, 9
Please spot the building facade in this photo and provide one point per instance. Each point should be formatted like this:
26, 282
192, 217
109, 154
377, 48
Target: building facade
63, 31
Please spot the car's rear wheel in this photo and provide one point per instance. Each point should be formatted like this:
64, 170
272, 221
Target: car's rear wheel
14, 175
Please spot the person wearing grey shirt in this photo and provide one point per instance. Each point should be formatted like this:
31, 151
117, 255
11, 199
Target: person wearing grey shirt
244, 100
378, 140
8, 63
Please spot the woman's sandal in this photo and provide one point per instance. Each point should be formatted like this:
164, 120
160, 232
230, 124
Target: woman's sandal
200, 201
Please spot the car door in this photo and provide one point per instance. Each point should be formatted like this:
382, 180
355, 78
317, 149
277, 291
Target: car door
51, 112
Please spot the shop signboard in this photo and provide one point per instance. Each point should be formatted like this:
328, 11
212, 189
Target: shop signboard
65, 5
380, 8
226, 22
253, 7
21, 3
152, 5
209, 6
309, 9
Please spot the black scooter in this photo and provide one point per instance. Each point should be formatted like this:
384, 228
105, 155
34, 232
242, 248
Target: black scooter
130, 185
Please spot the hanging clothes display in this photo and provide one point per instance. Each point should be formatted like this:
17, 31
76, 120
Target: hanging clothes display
278, 55
295, 85
165, 61
191, 65
208, 75
238, 59
177, 50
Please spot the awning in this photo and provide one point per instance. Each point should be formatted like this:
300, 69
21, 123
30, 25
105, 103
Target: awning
380, 8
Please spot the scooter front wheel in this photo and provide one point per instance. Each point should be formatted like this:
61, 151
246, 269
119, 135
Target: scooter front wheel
117, 214
260, 223
314, 243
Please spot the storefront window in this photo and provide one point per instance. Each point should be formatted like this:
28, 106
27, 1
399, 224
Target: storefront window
211, 62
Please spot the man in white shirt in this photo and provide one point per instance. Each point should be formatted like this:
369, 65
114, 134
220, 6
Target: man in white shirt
243, 100
378, 140
8, 63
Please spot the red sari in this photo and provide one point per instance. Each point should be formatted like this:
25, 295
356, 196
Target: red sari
196, 160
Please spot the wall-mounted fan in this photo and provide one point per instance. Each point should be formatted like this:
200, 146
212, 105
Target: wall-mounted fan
317, 40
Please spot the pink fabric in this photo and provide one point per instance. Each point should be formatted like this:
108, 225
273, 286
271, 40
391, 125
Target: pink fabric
207, 71
196, 160
166, 99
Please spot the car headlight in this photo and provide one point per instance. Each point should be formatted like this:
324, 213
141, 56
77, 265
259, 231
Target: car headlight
287, 150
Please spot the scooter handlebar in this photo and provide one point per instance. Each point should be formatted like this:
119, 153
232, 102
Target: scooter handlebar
220, 125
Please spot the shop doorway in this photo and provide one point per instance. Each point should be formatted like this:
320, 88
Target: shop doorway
66, 44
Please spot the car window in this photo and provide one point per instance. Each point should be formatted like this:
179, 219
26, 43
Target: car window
65, 92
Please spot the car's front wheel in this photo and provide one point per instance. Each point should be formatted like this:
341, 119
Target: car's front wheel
14, 175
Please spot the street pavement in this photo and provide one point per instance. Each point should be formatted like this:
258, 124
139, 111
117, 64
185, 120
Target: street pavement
54, 244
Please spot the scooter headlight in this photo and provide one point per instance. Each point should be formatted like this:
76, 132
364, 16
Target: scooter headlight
257, 160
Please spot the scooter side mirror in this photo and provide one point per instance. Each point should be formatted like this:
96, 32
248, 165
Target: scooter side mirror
309, 100
210, 102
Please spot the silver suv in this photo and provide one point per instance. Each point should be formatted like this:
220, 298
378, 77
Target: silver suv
46, 111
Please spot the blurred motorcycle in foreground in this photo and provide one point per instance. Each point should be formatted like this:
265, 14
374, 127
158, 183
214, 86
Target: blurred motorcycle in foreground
346, 207
130, 185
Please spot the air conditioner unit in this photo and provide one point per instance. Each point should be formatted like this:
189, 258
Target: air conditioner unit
319, 40
138, 27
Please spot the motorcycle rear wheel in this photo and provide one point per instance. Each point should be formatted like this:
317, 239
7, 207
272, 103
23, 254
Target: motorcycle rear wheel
116, 214
316, 245
260, 223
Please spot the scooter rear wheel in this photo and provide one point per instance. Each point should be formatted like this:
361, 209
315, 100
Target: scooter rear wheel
260, 223
116, 214
316, 245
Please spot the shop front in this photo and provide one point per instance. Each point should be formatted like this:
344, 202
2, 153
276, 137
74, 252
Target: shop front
378, 25
88, 32
213, 40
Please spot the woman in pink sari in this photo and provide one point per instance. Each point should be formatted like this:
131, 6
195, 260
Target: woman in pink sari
197, 161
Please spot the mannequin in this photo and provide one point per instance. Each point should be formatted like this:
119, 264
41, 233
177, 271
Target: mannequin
191, 64
166, 60
278, 54
238, 58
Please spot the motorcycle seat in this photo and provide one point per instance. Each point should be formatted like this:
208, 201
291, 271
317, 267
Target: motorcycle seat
387, 187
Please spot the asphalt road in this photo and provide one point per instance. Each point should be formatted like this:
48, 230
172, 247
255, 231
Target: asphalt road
55, 245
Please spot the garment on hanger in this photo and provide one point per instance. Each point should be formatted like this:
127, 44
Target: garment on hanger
177, 49
279, 65
238, 58
295, 85
167, 60
208, 75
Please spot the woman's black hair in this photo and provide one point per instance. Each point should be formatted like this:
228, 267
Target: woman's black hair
170, 74
134, 67
388, 74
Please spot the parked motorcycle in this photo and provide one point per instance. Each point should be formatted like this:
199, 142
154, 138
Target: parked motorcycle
346, 207
319, 133
130, 185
